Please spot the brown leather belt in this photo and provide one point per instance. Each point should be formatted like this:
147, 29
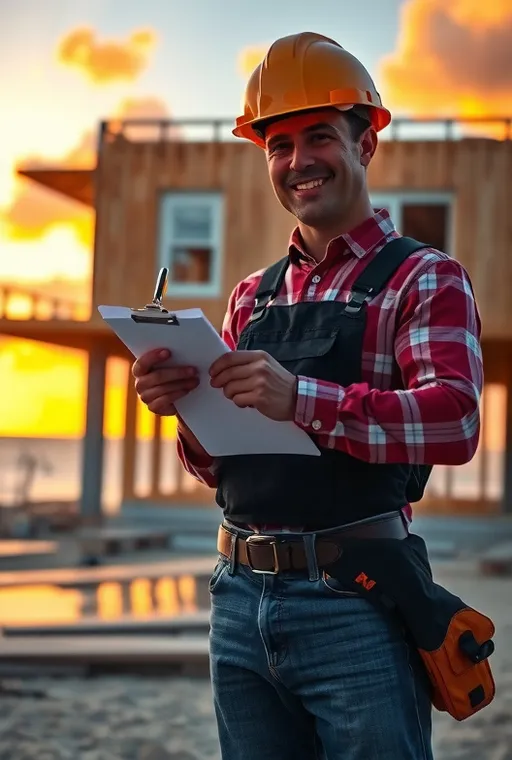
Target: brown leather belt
280, 553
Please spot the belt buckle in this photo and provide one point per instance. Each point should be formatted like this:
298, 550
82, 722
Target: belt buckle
269, 541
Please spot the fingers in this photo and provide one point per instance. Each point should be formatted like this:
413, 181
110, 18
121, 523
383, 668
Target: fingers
165, 376
145, 362
169, 391
161, 400
235, 387
244, 400
162, 408
164, 405
232, 359
230, 374
160, 387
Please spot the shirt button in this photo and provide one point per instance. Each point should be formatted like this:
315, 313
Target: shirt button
316, 424
316, 278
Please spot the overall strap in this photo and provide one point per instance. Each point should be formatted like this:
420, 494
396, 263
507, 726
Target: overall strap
270, 283
380, 269
370, 282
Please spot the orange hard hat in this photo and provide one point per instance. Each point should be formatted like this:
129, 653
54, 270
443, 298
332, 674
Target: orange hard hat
304, 71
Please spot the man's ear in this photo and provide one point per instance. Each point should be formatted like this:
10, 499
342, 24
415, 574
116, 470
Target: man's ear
367, 146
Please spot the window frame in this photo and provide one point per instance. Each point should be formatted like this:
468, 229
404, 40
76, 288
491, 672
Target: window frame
394, 201
168, 200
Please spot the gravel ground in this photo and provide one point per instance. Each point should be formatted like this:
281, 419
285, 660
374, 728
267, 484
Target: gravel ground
110, 718
134, 718
130, 718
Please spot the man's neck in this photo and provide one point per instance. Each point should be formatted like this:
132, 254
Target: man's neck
316, 240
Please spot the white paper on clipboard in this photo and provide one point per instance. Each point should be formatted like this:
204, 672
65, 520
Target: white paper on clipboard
222, 428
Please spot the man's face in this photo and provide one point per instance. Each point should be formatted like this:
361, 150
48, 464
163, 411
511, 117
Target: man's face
316, 167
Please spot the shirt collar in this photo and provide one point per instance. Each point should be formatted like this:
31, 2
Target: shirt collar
360, 241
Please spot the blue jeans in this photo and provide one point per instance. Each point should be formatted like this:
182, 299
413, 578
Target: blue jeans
303, 669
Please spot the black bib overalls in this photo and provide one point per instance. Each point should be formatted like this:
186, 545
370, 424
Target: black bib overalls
321, 340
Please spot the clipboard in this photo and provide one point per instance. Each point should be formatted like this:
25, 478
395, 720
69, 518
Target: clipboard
222, 428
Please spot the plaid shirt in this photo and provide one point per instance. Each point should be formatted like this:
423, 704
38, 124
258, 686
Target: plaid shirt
422, 373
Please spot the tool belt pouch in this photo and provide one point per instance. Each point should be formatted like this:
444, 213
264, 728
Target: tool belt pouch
459, 670
452, 638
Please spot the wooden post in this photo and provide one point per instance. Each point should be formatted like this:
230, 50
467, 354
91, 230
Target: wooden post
156, 453
483, 469
507, 475
130, 440
92, 458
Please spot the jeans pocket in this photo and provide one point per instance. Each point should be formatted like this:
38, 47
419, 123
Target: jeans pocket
218, 571
336, 587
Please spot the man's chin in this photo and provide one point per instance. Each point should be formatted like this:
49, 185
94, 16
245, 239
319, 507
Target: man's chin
311, 216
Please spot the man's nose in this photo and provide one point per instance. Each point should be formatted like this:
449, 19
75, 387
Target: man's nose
301, 158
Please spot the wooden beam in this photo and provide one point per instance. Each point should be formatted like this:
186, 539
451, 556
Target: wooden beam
68, 333
77, 184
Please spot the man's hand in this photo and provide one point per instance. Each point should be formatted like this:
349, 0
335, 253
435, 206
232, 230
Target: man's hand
256, 379
159, 388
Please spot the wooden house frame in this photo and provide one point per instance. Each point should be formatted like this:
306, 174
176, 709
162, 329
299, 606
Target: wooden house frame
204, 207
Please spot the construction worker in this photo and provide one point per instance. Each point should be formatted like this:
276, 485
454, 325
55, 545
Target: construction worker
370, 342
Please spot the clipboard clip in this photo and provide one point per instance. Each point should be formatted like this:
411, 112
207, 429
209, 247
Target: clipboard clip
155, 312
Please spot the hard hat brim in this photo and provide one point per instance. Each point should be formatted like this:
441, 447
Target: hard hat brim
248, 129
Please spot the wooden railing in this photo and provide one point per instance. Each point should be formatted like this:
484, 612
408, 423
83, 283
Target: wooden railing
151, 468
497, 127
21, 303
161, 130
476, 487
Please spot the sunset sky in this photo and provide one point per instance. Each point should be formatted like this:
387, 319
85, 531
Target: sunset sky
66, 65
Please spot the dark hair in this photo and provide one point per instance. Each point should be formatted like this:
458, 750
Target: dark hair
358, 121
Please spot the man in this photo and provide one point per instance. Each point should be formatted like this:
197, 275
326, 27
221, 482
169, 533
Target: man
383, 373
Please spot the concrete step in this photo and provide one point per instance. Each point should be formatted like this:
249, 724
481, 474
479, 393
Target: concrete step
471, 534
101, 654
439, 549
497, 560
108, 540
91, 576
16, 554
179, 625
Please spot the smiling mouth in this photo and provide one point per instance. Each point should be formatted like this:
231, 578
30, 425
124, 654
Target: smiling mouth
310, 185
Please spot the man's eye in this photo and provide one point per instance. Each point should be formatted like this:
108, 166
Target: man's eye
320, 136
279, 147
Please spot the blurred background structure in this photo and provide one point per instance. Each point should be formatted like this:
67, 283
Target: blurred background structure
204, 207
93, 205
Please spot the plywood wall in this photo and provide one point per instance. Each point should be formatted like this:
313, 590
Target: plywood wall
479, 174
130, 179
256, 228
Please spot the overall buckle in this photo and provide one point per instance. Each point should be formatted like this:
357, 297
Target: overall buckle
268, 541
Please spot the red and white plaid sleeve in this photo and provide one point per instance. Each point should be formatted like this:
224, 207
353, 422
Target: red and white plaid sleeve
435, 419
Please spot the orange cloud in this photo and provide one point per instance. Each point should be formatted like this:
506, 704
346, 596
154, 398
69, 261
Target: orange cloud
453, 59
34, 210
250, 57
108, 61
141, 108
